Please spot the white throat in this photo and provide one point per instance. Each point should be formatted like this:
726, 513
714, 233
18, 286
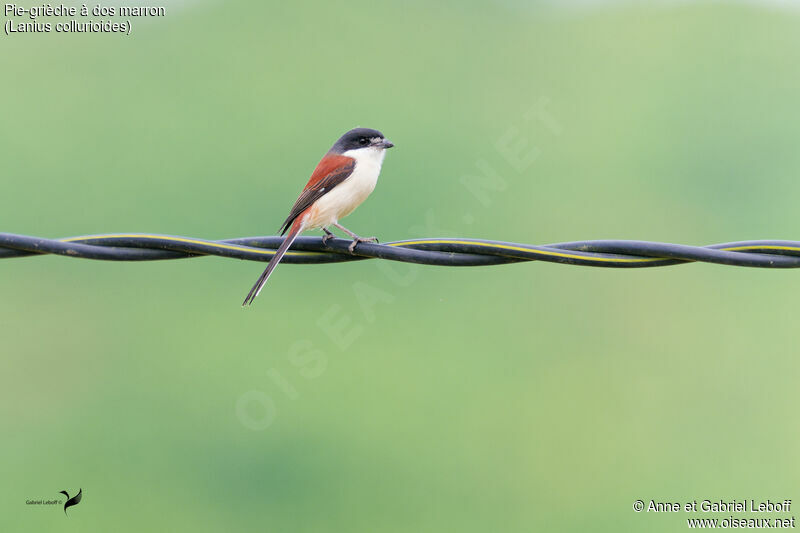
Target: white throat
367, 157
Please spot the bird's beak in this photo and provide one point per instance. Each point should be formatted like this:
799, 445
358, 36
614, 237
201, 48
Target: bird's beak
386, 143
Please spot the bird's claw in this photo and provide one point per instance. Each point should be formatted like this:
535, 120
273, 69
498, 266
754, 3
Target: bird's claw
357, 240
326, 238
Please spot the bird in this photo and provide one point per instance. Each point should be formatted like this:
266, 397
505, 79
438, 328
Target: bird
345, 176
75, 500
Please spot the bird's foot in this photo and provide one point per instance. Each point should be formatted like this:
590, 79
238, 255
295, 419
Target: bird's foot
326, 238
357, 240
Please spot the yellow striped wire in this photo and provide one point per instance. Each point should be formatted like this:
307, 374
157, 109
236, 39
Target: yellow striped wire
542, 252
190, 241
585, 258
428, 241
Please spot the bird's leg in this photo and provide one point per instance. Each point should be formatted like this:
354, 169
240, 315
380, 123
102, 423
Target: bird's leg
328, 236
356, 238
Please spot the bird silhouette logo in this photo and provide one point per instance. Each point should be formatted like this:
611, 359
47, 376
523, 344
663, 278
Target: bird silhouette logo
75, 500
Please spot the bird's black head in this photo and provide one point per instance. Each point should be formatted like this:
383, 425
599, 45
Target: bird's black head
359, 138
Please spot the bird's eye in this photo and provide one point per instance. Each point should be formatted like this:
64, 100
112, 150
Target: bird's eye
362, 141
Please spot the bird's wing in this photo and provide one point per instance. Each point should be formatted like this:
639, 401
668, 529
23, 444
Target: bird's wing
332, 170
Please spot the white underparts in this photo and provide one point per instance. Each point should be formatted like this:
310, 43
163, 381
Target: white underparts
345, 197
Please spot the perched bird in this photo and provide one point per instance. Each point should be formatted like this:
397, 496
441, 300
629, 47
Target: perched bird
343, 179
75, 500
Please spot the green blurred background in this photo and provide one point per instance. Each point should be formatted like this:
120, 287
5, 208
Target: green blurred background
514, 398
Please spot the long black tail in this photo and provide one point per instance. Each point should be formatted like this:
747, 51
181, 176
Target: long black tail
262, 279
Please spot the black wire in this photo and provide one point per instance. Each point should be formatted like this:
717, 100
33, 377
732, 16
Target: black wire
441, 251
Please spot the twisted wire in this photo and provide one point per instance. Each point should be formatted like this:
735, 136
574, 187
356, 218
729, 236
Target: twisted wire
437, 251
